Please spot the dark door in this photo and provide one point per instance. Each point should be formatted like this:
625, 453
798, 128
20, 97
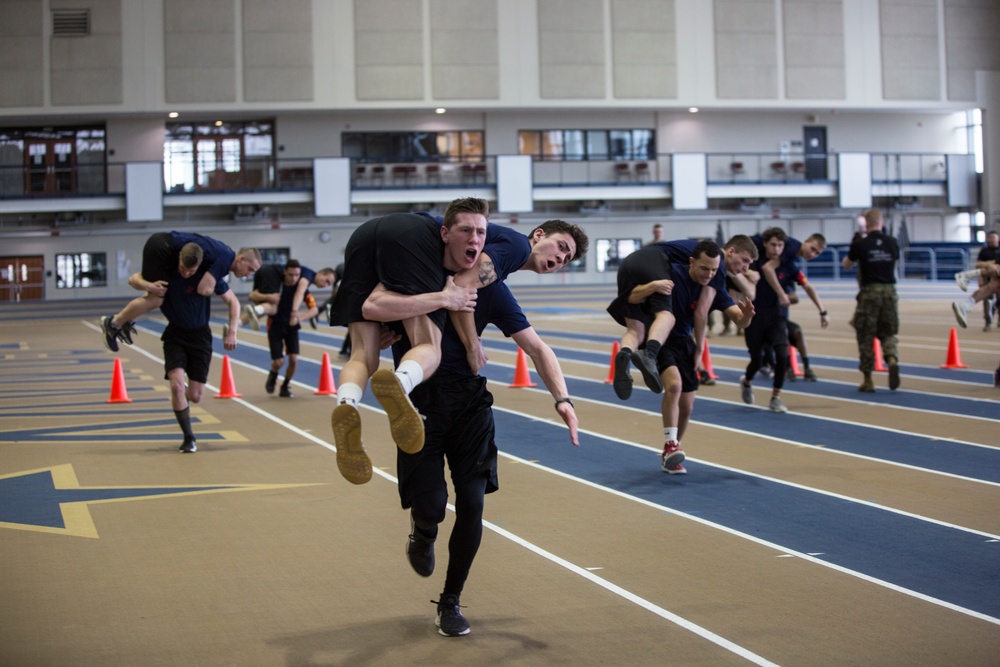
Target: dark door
814, 141
50, 166
22, 279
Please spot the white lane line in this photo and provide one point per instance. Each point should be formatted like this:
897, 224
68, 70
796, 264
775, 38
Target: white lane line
757, 540
576, 569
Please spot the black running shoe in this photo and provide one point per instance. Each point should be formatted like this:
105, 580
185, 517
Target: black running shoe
125, 335
647, 366
450, 621
286, 392
705, 379
312, 322
420, 552
189, 446
996, 377
110, 332
623, 377
272, 380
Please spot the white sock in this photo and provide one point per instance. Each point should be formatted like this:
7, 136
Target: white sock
258, 309
350, 393
971, 273
670, 433
970, 300
410, 374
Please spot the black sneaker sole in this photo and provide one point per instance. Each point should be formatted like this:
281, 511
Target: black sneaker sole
649, 375
623, 378
894, 376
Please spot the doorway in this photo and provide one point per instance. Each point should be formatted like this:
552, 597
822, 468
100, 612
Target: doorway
814, 142
22, 279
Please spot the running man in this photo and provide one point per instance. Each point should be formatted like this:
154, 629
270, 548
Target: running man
283, 329
177, 253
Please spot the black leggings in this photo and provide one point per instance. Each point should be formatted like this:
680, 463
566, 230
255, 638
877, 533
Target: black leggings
428, 511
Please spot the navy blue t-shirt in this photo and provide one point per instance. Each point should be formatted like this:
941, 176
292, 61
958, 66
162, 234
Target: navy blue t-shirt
218, 256
680, 252
183, 306
685, 295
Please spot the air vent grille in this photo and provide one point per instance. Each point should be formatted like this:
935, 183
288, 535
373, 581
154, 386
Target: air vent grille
70, 22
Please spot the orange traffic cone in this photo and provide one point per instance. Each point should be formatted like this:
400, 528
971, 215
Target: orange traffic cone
615, 348
326, 384
227, 386
521, 376
954, 356
118, 392
793, 361
879, 361
706, 361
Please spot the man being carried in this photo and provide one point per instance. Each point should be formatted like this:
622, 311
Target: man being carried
268, 284
177, 253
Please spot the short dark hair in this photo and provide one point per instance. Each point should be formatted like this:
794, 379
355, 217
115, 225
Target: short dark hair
706, 247
563, 227
466, 205
774, 233
191, 255
293, 264
743, 243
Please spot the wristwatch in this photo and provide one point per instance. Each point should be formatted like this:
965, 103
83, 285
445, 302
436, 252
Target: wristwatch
564, 399
822, 313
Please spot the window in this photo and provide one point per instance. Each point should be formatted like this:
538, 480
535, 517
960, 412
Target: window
451, 146
218, 156
564, 145
53, 161
611, 252
82, 269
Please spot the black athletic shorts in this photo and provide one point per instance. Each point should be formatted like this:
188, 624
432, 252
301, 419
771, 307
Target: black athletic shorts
403, 251
190, 349
159, 260
459, 428
283, 338
680, 351
642, 266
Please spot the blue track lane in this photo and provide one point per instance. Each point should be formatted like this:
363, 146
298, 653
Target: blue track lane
955, 566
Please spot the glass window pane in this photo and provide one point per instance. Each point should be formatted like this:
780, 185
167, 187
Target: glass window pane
529, 143
472, 145
620, 144
643, 145
597, 144
552, 145
574, 148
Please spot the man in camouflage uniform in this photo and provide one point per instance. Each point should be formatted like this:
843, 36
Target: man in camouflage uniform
877, 314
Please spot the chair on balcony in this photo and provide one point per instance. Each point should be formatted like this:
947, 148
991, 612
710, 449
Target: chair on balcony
623, 172
479, 172
642, 171
432, 172
360, 174
798, 169
378, 174
404, 173
778, 169
467, 173
736, 169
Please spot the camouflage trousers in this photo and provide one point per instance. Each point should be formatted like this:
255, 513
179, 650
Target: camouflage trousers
877, 316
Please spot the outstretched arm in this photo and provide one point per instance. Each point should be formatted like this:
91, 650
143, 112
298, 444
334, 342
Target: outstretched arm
549, 370
741, 313
824, 318
229, 297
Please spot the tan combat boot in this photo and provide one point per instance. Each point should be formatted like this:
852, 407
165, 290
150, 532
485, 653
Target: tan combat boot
867, 386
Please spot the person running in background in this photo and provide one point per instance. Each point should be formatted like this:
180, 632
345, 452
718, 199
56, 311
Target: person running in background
643, 305
677, 359
877, 312
187, 342
987, 272
267, 288
166, 254
283, 329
